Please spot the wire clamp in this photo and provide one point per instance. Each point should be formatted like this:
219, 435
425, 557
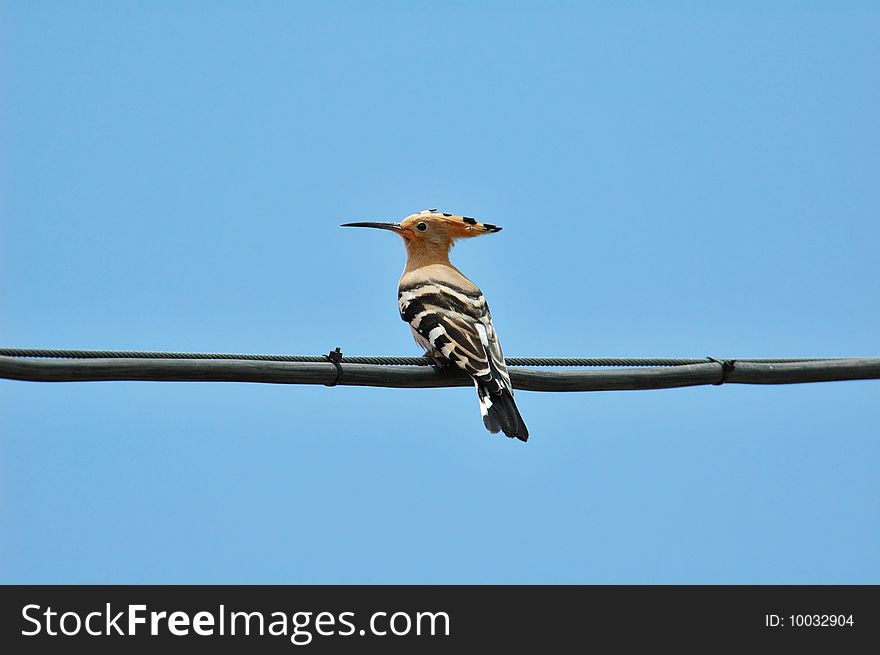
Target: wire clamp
727, 365
335, 357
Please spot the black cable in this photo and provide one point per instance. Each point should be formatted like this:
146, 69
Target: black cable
389, 360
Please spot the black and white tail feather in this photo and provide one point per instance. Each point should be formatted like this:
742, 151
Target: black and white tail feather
454, 325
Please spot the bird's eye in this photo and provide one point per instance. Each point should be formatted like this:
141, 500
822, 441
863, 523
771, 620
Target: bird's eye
421, 227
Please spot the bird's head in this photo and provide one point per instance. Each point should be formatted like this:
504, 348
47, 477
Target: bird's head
433, 229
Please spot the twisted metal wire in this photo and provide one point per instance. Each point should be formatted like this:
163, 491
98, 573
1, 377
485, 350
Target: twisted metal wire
587, 362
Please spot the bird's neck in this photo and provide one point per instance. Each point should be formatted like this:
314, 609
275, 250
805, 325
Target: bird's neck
426, 254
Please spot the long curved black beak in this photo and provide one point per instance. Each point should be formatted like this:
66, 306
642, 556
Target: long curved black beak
394, 227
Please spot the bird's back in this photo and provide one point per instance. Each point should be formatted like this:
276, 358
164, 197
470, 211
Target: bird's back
450, 318
442, 307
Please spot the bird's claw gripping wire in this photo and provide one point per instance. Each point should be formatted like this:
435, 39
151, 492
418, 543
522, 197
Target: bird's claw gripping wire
439, 362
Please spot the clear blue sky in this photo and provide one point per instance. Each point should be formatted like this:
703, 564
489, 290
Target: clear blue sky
685, 180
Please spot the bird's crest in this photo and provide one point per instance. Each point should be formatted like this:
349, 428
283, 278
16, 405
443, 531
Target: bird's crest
454, 225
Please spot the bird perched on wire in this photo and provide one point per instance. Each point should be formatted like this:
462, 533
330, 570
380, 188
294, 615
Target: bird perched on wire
447, 313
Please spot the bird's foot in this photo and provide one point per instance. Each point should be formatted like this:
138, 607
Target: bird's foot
441, 363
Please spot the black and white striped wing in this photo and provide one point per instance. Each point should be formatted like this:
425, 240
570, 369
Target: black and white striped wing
456, 324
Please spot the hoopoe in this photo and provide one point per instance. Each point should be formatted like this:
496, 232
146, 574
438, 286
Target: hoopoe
448, 314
